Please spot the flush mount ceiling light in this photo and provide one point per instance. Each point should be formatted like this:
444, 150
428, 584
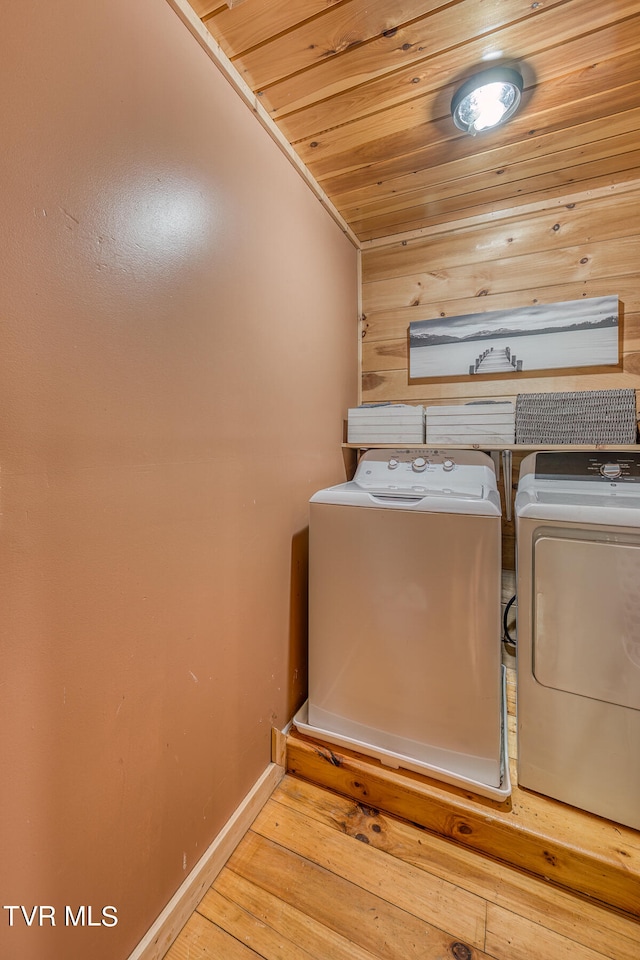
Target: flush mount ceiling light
487, 100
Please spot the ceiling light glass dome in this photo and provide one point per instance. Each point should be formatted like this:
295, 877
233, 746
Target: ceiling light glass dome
486, 100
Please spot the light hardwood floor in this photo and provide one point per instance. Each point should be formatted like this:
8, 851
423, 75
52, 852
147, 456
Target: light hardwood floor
325, 877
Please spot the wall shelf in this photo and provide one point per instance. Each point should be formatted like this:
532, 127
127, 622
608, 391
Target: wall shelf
515, 447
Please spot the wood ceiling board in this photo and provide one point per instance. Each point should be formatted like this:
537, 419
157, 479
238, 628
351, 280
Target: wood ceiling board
442, 31
426, 175
624, 148
547, 112
433, 60
349, 27
564, 94
493, 211
551, 53
385, 175
410, 50
485, 202
257, 21
203, 8
377, 107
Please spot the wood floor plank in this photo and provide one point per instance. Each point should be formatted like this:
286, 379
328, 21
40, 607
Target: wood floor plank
201, 940
382, 928
517, 938
426, 896
325, 876
242, 924
314, 937
571, 848
565, 914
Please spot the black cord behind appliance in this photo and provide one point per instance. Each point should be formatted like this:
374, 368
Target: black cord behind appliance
506, 636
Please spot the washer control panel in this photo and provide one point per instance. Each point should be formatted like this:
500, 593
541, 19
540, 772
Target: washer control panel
422, 473
401, 466
422, 479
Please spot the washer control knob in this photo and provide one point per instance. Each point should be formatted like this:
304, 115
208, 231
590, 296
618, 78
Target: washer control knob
611, 470
419, 464
448, 465
393, 463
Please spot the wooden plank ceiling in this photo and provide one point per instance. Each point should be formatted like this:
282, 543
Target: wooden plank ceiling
362, 90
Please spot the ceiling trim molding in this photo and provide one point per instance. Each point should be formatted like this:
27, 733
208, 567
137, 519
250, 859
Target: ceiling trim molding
188, 16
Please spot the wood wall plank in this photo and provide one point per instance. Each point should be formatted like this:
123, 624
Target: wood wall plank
391, 386
381, 355
531, 234
394, 323
611, 258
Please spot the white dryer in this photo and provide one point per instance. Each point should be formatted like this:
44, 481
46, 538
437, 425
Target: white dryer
404, 616
578, 654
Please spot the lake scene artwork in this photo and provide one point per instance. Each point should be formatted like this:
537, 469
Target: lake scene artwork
578, 333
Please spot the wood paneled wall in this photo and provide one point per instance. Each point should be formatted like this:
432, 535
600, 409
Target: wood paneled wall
545, 251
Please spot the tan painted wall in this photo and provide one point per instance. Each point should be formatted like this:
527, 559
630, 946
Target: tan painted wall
177, 352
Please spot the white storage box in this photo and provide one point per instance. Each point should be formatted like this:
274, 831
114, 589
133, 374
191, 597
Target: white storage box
484, 423
386, 423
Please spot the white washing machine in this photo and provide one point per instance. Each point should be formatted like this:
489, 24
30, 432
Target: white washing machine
404, 616
578, 653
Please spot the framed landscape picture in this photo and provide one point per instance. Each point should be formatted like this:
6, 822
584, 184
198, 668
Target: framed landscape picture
578, 333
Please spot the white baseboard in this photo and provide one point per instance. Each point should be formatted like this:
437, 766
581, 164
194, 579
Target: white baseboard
166, 928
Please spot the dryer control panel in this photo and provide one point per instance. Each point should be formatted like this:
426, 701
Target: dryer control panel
598, 465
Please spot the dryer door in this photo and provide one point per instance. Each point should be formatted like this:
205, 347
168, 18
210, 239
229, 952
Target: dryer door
586, 630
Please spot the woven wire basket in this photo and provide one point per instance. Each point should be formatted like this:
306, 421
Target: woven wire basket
589, 416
